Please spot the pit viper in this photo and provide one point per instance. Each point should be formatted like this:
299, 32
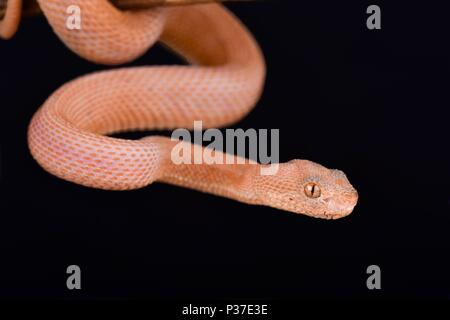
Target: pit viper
70, 135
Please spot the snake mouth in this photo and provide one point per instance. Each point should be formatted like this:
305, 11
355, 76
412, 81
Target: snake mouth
325, 214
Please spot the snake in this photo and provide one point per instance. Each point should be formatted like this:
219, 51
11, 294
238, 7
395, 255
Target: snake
72, 134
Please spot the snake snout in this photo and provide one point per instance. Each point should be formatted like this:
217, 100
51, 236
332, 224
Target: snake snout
343, 204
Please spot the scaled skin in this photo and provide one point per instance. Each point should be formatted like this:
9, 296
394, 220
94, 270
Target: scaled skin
68, 135
286, 190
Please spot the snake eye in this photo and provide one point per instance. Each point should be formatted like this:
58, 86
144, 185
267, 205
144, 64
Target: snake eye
312, 190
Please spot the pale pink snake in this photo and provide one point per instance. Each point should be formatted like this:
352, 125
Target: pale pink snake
67, 136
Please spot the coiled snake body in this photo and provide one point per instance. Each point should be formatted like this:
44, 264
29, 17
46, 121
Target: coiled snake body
67, 136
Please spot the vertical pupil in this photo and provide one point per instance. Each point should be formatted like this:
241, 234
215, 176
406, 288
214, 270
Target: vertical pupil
312, 190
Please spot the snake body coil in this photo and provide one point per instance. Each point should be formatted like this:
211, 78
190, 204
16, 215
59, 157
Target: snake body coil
68, 135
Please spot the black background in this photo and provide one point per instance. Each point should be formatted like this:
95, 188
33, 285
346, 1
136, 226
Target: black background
372, 103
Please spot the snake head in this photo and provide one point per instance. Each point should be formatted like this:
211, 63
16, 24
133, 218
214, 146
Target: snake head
305, 187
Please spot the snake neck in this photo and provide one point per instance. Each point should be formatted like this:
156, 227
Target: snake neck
233, 178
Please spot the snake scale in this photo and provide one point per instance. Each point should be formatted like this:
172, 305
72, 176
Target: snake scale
68, 135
